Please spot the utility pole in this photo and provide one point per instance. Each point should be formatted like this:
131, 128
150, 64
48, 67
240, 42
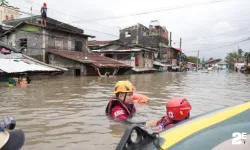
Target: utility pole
197, 61
137, 35
170, 39
180, 42
31, 10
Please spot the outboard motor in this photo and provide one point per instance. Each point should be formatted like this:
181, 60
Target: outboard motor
10, 140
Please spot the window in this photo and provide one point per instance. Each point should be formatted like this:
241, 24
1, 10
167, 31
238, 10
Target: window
127, 34
77, 72
23, 43
78, 46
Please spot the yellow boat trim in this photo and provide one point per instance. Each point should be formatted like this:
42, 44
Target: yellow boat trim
181, 132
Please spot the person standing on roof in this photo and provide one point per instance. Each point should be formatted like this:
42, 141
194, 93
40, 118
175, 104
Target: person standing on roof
44, 14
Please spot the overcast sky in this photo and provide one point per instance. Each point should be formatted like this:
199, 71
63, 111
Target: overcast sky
205, 27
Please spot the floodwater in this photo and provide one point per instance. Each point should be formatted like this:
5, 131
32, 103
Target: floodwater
69, 112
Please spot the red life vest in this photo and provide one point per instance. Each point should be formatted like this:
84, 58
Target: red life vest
166, 122
113, 102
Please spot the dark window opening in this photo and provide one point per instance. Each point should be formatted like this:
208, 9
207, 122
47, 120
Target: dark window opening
77, 72
23, 43
78, 46
109, 55
127, 34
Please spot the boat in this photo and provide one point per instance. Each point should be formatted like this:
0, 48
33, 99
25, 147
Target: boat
222, 129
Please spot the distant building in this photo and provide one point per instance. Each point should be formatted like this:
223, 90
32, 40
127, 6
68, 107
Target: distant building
8, 12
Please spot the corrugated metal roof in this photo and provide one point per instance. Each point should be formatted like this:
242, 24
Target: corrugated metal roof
91, 43
119, 50
50, 26
96, 60
143, 69
22, 65
11, 56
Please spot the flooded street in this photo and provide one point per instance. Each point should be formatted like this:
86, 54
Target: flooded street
69, 112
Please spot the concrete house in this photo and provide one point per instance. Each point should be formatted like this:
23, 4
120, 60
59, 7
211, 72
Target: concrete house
34, 39
59, 44
139, 57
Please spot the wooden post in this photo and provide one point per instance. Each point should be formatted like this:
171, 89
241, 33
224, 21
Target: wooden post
197, 61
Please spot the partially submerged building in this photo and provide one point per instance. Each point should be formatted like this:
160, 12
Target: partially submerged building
13, 63
139, 57
59, 44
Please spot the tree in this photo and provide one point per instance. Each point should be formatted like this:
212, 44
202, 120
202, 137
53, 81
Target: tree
234, 57
193, 59
203, 62
4, 2
231, 59
211, 58
247, 57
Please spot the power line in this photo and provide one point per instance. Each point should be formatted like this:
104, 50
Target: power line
240, 41
205, 37
62, 13
101, 32
143, 13
244, 40
84, 28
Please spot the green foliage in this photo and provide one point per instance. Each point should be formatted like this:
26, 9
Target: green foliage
193, 59
234, 57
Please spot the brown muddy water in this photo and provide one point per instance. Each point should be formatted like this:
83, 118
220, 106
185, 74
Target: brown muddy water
69, 112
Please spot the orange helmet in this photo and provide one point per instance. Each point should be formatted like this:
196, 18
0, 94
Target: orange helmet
178, 108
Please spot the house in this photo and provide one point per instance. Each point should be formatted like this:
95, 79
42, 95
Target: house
154, 36
139, 57
85, 64
212, 63
33, 39
222, 65
14, 63
191, 66
59, 44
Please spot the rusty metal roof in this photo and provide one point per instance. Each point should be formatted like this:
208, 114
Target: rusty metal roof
90, 43
90, 58
117, 50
